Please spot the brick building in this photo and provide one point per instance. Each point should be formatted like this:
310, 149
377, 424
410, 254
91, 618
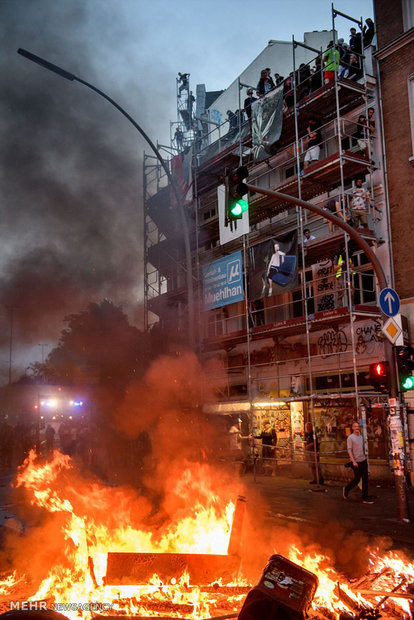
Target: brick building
395, 55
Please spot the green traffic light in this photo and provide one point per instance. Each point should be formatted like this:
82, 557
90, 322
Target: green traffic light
239, 207
408, 383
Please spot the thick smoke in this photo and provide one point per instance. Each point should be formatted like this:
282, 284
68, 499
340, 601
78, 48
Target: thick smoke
71, 197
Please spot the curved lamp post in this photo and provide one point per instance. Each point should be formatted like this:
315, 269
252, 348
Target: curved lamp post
189, 273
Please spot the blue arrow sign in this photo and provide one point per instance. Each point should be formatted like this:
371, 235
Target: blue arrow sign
389, 302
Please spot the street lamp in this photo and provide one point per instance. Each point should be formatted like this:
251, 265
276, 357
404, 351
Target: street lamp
189, 272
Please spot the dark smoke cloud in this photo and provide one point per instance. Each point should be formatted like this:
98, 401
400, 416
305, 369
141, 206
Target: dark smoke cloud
71, 165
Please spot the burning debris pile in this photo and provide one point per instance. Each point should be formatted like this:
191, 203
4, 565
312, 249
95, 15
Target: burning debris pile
102, 552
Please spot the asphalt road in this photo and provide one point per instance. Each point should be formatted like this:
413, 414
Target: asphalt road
323, 516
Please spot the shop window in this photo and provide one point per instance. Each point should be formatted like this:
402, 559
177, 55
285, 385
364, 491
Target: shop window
333, 425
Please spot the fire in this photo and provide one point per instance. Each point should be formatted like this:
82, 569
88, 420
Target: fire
96, 520
93, 520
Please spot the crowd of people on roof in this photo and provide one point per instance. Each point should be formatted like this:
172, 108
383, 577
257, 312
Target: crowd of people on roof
344, 58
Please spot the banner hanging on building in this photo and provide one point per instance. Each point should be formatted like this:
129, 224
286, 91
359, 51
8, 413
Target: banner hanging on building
223, 281
267, 120
323, 282
273, 267
182, 175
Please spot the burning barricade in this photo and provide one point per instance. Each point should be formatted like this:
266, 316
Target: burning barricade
100, 553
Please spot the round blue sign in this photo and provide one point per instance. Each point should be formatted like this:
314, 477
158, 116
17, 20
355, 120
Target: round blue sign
389, 302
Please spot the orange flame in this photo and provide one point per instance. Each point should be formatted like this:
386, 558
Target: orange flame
94, 519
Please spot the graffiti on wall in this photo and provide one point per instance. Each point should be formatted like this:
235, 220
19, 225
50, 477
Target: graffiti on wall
367, 337
323, 286
332, 342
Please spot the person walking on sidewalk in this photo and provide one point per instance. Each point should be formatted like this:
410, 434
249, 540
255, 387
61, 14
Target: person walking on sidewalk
355, 447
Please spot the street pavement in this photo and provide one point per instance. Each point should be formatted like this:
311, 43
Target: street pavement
320, 513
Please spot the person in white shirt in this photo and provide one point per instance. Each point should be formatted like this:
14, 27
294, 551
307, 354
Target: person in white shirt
307, 236
359, 464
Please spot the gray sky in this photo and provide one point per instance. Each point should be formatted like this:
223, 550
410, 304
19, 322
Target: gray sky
71, 165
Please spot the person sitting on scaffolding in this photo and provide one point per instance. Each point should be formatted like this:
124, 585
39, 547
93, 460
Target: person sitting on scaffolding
313, 142
355, 69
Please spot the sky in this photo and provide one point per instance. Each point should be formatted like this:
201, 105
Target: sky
71, 165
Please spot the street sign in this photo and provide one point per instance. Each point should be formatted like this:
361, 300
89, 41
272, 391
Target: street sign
392, 330
223, 281
389, 302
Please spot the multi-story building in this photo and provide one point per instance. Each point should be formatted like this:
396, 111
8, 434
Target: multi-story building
296, 342
395, 56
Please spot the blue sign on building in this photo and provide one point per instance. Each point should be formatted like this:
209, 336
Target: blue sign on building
389, 302
223, 281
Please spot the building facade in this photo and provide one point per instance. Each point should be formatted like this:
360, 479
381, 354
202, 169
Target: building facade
292, 316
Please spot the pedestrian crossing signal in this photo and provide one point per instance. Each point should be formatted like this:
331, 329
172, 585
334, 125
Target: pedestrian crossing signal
379, 376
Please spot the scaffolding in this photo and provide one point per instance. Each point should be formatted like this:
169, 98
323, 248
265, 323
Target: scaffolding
307, 350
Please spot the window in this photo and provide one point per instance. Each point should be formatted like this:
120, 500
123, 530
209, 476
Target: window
364, 280
215, 323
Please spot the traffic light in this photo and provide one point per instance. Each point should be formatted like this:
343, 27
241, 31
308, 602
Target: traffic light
405, 365
379, 376
236, 205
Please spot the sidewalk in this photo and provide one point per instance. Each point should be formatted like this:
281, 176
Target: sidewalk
294, 500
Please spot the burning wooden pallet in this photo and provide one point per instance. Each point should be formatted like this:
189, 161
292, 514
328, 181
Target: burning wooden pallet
203, 569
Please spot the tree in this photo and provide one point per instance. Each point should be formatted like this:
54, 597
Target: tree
97, 346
